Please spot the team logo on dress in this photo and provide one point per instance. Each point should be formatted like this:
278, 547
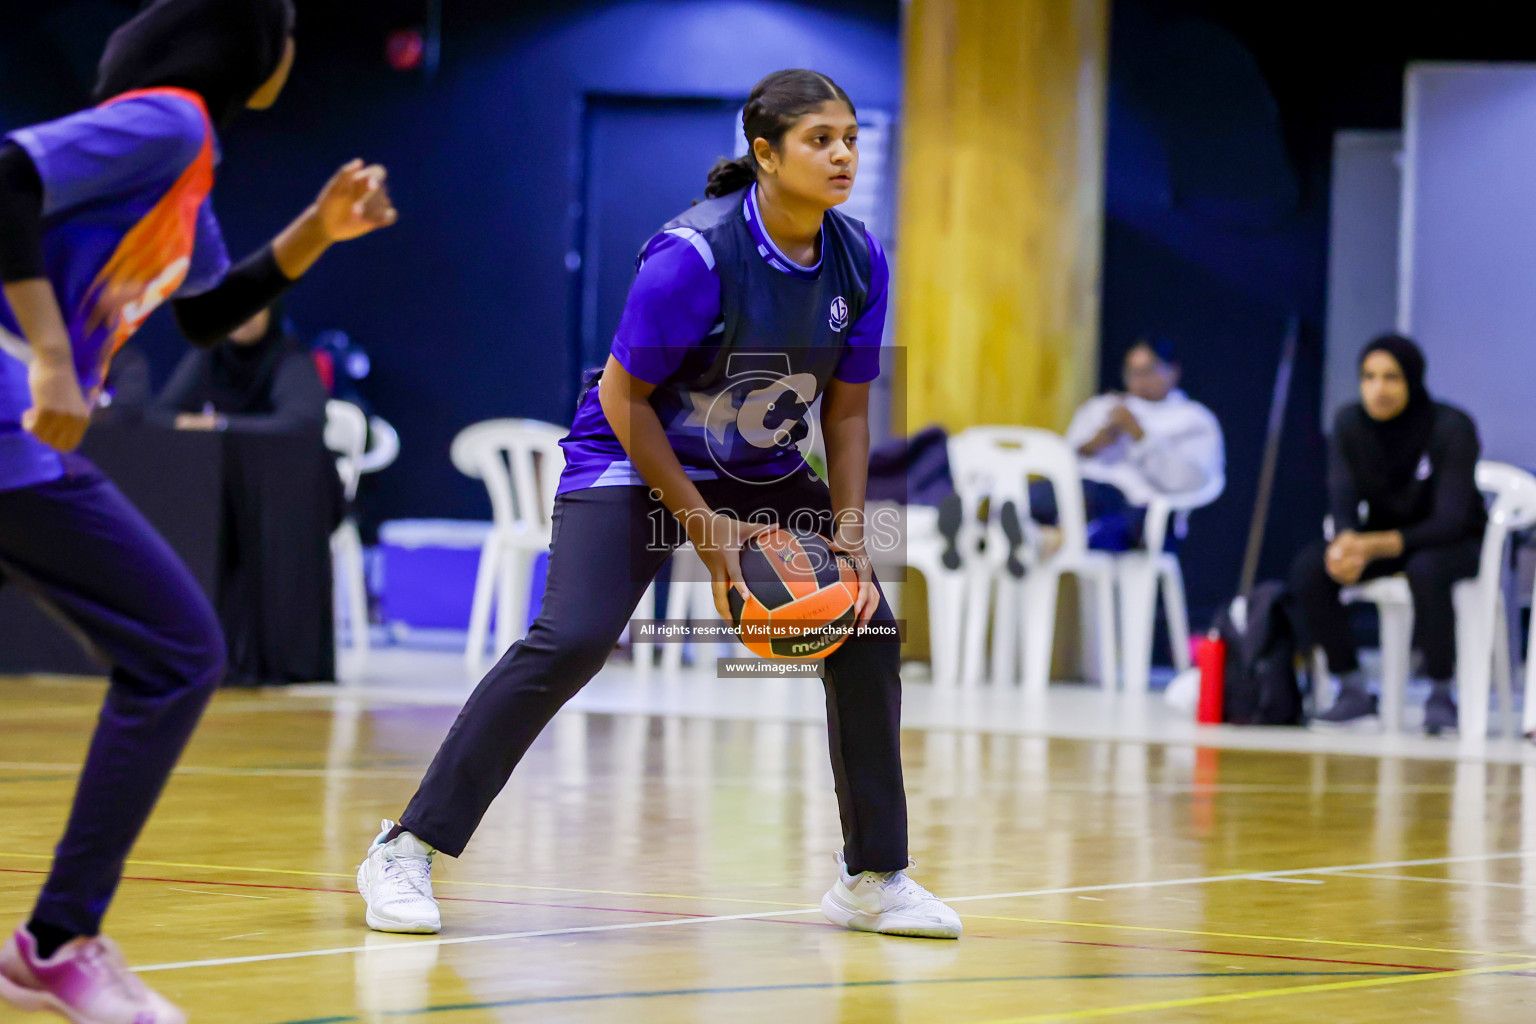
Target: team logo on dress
839, 313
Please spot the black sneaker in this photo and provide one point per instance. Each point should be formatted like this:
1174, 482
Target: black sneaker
1350, 707
1439, 714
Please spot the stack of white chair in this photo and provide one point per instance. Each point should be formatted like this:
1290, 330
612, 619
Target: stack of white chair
520, 462
689, 599
1141, 573
383, 446
346, 435
921, 546
994, 464
1482, 631
1528, 722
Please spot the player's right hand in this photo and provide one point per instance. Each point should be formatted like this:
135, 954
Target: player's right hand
59, 413
718, 541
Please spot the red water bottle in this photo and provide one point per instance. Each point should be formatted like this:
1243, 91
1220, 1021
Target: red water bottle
1211, 657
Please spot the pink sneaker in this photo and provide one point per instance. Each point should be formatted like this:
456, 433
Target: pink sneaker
86, 981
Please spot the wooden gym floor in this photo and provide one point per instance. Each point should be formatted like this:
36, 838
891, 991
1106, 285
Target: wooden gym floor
666, 868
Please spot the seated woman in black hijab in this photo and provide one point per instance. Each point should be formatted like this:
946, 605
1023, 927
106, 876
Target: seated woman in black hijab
256, 379
1403, 492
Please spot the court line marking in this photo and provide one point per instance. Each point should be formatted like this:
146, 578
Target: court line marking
435, 881
631, 926
414, 773
233, 895
1251, 876
1239, 935
676, 913
466, 940
789, 913
1269, 993
353, 892
1110, 887
1441, 881
73, 769
1230, 952
826, 985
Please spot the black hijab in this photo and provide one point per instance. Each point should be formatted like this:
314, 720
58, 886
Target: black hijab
1384, 455
223, 50
240, 377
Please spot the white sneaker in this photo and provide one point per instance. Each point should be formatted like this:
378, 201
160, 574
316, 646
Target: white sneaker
396, 882
888, 902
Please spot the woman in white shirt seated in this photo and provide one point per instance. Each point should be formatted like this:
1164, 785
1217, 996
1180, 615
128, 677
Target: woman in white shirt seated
1153, 439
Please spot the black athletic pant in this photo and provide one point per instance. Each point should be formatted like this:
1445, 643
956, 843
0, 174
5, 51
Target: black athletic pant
608, 542
1432, 573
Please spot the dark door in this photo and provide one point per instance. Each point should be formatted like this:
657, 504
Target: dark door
645, 160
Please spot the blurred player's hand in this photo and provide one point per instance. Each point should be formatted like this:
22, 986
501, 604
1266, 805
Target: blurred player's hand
718, 540
868, 601
355, 202
59, 413
199, 421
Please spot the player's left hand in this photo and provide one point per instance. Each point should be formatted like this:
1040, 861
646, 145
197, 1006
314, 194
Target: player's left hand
354, 202
868, 601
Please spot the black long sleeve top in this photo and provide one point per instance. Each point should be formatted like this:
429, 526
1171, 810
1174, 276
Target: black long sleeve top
294, 397
1440, 505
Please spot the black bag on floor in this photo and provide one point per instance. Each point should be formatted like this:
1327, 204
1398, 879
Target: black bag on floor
1260, 675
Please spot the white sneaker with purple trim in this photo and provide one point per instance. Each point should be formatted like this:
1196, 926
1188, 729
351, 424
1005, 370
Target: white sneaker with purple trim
86, 981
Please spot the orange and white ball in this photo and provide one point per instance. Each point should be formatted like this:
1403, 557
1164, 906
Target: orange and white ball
803, 595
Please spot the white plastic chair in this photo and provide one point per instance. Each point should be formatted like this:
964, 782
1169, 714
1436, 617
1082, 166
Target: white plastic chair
1482, 632
520, 462
922, 548
688, 597
346, 435
1140, 574
994, 464
383, 446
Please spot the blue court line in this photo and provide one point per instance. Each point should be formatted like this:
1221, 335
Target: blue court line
811, 986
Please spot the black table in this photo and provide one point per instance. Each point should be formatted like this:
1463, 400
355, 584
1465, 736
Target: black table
251, 514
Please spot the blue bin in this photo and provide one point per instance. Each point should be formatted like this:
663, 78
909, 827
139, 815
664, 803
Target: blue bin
425, 573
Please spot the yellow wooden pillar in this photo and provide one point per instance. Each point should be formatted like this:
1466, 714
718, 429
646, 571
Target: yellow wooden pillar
1001, 210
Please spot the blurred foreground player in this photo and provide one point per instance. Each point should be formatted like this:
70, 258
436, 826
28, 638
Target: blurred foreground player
103, 216
745, 309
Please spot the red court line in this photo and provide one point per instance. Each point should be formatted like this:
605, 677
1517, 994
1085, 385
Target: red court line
353, 892
441, 899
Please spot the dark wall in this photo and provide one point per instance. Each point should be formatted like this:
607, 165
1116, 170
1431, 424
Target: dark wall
1213, 238
1221, 122
465, 305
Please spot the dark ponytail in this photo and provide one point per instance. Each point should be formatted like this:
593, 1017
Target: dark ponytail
729, 176
776, 103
